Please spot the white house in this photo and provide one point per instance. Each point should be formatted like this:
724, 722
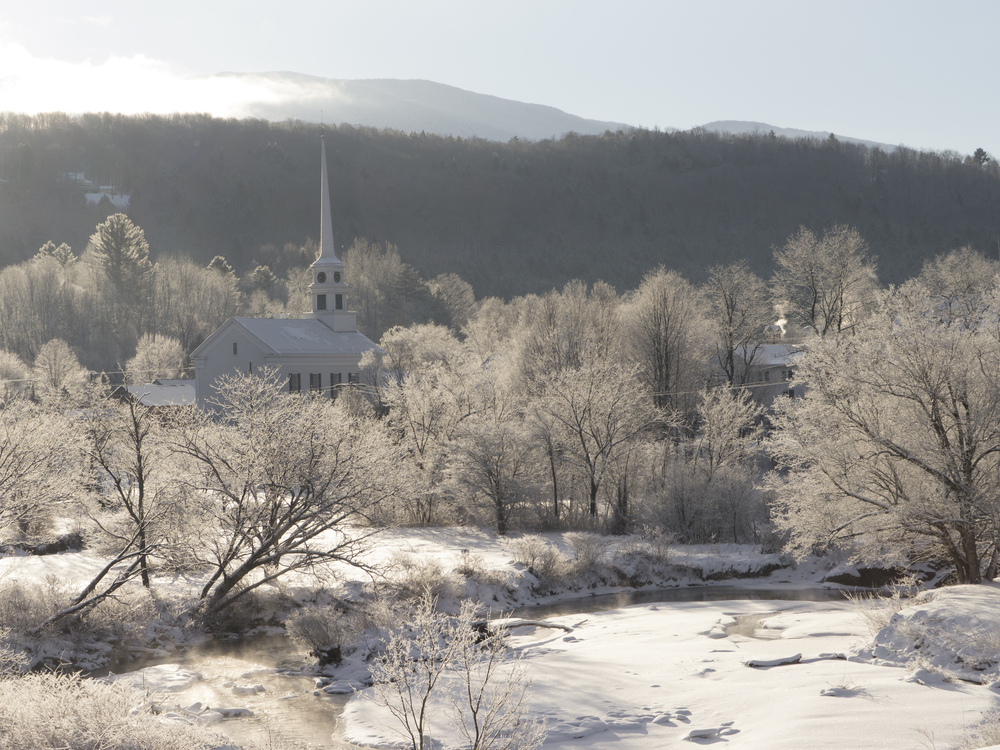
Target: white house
775, 363
314, 354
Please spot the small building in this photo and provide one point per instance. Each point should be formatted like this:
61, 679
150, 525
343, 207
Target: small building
316, 353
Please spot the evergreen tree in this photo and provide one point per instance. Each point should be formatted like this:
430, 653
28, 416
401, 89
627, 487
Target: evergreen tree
121, 250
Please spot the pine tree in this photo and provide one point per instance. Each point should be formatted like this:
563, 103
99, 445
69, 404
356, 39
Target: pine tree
122, 252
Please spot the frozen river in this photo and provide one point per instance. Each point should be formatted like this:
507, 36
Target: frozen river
288, 714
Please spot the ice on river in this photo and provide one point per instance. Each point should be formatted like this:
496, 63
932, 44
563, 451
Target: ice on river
163, 678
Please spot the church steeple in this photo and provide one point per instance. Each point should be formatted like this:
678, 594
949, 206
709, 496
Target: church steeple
327, 248
329, 287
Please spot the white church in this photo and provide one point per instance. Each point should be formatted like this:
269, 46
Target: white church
314, 354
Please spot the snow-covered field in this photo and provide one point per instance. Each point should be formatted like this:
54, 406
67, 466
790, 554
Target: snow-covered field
658, 676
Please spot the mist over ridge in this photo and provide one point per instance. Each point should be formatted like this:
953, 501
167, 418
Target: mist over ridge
408, 105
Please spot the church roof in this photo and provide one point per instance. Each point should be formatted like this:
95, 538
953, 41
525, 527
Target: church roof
292, 336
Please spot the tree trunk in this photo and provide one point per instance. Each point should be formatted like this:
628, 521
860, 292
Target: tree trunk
621, 508
555, 483
501, 514
972, 572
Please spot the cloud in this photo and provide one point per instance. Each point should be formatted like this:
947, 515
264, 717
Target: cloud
132, 85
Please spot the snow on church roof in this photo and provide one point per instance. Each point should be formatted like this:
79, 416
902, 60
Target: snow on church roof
304, 336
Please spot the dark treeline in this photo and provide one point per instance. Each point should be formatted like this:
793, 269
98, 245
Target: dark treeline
509, 218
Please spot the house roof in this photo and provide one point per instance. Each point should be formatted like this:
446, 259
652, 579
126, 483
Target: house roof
777, 354
298, 336
161, 395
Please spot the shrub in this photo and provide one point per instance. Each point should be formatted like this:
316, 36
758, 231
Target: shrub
589, 549
485, 582
126, 617
56, 712
984, 734
643, 557
243, 614
23, 608
541, 559
876, 611
325, 631
413, 577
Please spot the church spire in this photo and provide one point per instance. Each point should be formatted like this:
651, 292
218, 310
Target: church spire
329, 287
327, 248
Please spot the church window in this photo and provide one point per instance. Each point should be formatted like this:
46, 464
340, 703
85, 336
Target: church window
339, 301
320, 301
352, 377
234, 347
335, 380
294, 382
315, 382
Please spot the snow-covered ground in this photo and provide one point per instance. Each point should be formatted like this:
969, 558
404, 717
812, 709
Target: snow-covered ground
648, 676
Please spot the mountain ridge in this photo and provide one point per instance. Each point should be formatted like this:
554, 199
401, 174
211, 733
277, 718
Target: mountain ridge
743, 127
408, 105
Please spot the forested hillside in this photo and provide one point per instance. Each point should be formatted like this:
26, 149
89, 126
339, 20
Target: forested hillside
510, 218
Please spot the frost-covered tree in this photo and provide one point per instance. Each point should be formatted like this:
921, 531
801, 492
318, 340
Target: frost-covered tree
39, 462
13, 375
56, 372
483, 685
598, 411
155, 357
456, 297
261, 279
960, 285
41, 300
63, 253
564, 330
495, 326
411, 350
191, 302
430, 391
121, 250
131, 463
664, 331
825, 284
729, 429
221, 266
280, 483
371, 270
704, 489
119, 256
895, 450
739, 311
491, 451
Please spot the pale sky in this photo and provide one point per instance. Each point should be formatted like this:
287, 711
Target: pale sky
914, 72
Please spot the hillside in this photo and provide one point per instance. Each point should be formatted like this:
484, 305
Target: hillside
513, 217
